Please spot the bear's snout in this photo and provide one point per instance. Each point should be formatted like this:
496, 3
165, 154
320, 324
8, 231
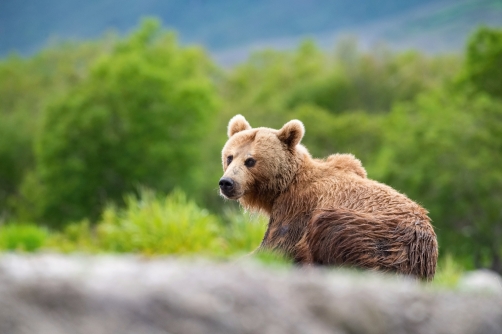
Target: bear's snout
227, 186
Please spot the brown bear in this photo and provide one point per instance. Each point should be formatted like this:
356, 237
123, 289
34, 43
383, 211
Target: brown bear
324, 211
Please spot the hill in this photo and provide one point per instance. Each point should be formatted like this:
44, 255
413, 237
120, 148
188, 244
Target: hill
229, 29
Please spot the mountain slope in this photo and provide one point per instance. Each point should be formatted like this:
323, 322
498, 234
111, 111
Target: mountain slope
225, 26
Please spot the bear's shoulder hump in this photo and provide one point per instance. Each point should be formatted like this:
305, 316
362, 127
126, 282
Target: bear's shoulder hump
347, 163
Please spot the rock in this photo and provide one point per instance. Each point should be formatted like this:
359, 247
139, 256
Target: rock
69, 294
483, 280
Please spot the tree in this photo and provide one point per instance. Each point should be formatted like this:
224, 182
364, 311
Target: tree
26, 86
139, 119
483, 65
443, 150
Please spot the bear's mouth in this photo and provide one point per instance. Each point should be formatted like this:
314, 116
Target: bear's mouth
230, 194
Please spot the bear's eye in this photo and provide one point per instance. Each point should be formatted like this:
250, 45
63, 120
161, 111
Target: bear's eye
229, 159
250, 162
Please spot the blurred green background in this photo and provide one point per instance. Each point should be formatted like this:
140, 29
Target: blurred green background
113, 144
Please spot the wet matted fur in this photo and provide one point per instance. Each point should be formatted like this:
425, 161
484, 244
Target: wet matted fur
381, 242
324, 211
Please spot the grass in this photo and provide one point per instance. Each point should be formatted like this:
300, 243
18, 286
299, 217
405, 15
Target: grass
172, 225
448, 272
153, 225
22, 237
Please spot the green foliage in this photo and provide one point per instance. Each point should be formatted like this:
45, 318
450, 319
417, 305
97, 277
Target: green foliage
272, 83
448, 272
243, 233
442, 151
150, 226
20, 237
153, 225
16, 157
483, 66
273, 259
26, 85
75, 237
370, 82
137, 119
357, 132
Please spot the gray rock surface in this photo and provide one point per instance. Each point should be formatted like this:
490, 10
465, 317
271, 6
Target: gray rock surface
57, 294
483, 280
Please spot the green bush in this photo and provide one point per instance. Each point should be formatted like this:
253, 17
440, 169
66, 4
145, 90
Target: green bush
138, 119
155, 225
20, 237
159, 226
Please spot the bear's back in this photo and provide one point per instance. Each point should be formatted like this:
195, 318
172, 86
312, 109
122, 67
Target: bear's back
341, 181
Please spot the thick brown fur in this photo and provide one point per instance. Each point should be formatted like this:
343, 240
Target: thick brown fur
325, 211
382, 242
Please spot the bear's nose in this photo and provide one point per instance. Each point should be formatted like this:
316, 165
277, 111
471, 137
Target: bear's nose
226, 184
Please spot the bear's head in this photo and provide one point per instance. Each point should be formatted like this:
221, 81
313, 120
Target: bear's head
260, 163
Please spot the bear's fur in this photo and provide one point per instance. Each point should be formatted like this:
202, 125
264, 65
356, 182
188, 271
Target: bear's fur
324, 211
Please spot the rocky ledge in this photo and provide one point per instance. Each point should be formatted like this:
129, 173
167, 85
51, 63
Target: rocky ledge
72, 294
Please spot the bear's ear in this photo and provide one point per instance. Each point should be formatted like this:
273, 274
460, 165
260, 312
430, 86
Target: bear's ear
237, 124
291, 133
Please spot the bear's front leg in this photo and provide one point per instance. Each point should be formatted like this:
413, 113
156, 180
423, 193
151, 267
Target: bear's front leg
283, 236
